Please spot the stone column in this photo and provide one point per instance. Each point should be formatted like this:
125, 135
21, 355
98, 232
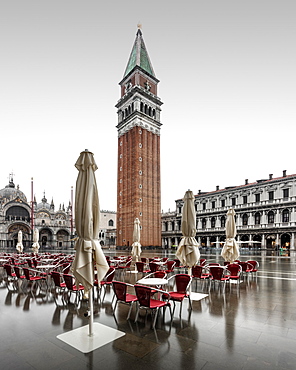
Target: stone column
277, 241
292, 244
263, 246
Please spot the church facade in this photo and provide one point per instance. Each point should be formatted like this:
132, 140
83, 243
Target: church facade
138, 174
16, 213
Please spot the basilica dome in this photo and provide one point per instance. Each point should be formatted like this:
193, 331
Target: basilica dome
10, 192
43, 204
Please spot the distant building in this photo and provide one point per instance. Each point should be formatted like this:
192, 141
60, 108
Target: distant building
138, 184
265, 214
107, 235
16, 214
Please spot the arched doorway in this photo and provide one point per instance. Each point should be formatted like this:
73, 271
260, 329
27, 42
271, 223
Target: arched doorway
13, 235
45, 238
270, 241
203, 241
213, 242
257, 239
62, 238
285, 241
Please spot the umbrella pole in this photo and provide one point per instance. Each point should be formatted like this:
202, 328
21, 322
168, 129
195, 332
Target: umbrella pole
91, 313
189, 273
91, 306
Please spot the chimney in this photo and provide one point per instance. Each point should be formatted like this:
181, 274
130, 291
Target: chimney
284, 173
246, 181
270, 176
217, 187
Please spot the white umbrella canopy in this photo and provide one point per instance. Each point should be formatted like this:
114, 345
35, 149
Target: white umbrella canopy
87, 218
188, 252
136, 246
36, 245
230, 251
19, 245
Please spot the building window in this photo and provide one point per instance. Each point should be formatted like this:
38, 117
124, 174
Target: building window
271, 195
213, 204
120, 143
140, 172
140, 213
140, 131
120, 181
257, 218
285, 217
257, 198
140, 200
140, 145
140, 159
286, 193
223, 203
120, 168
233, 201
270, 217
203, 206
140, 186
203, 223
111, 223
120, 156
213, 222
223, 220
245, 199
245, 219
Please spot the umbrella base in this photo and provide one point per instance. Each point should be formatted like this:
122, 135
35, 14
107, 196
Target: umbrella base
80, 339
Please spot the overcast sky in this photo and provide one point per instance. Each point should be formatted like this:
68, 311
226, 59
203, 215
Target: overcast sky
227, 79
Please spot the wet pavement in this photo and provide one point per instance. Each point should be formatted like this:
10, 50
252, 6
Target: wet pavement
253, 327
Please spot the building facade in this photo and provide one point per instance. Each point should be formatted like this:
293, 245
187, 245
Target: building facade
16, 214
138, 180
107, 234
265, 215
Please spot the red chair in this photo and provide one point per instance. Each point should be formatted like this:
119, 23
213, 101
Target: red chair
255, 265
178, 265
202, 262
72, 288
170, 266
154, 266
246, 268
233, 272
182, 283
146, 302
107, 281
141, 268
10, 275
31, 277
56, 277
157, 274
18, 273
198, 273
120, 291
217, 274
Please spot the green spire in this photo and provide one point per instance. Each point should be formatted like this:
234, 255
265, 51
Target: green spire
139, 56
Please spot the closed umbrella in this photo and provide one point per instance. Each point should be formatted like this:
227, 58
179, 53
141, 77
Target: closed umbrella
136, 246
35, 245
188, 252
87, 217
230, 251
19, 245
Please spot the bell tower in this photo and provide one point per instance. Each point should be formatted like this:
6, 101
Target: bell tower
138, 176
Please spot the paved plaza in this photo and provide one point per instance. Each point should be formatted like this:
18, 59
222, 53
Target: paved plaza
253, 327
